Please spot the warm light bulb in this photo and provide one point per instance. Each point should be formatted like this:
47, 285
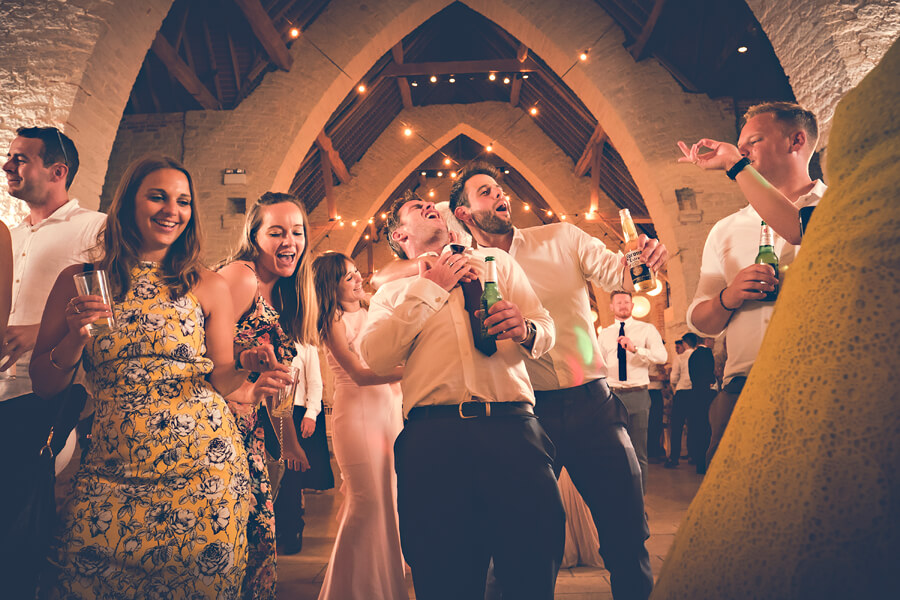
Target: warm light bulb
641, 307
562, 217
506, 171
431, 193
424, 174
414, 84
295, 33
440, 173
383, 216
434, 79
342, 223
407, 132
583, 56
371, 221
526, 207
447, 161
506, 80
453, 174
534, 111
489, 148
353, 224
549, 213
742, 49
361, 89
525, 76
452, 80
365, 237
492, 76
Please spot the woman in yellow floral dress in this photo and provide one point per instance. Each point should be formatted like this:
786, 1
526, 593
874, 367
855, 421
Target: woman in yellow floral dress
160, 503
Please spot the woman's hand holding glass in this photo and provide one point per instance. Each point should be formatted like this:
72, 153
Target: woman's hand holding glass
82, 311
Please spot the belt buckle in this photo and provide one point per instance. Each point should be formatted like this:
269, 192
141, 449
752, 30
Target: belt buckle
487, 409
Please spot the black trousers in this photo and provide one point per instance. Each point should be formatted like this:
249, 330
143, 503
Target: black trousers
691, 406
655, 425
587, 426
470, 489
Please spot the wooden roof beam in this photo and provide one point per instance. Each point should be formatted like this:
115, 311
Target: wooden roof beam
265, 32
330, 201
515, 91
402, 82
639, 48
183, 73
334, 158
500, 65
597, 138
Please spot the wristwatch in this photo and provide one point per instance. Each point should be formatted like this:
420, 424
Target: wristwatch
531, 328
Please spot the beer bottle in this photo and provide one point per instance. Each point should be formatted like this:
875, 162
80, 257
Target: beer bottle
490, 295
767, 256
641, 276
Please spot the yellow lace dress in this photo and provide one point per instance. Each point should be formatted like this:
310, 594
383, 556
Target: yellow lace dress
160, 503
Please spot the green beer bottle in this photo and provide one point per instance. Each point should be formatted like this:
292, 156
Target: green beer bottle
490, 295
767, 256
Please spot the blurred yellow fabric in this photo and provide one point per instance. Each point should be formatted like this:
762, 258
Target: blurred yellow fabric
802, 499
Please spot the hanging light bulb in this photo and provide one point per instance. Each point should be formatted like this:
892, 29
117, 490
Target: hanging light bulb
506, 80
583, 55
440, 173
492, 76
452, 79
453, 174
366, 236
414, 83
431, 193
361, 89
434, 79
447, 161
407, 132
295, 33
489, 148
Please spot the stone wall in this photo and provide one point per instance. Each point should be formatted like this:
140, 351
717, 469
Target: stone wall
72, 64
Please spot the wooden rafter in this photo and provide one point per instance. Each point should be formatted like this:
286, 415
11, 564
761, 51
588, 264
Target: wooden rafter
183, 73
330, 201
207, 36
235, 65
515, 90
402, 82
522, 53
596, 161
265, 32
334, 158
181, 26
500, 65
638, 49
598, 138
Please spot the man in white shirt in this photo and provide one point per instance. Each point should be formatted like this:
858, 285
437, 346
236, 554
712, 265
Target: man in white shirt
683, 407
584, 420
41, 164
771, 165
474, 466
629, 347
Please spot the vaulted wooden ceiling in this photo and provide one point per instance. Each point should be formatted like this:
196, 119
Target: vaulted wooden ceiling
210, 54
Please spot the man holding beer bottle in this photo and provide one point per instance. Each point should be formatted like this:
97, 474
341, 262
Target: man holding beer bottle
584, 420
473, 464
735, 294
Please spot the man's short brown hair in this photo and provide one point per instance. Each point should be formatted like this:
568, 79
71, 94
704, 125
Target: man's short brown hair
618, 292
789, 113
457, 191
393, 220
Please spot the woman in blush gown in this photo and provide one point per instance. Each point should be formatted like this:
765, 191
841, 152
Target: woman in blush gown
366, 562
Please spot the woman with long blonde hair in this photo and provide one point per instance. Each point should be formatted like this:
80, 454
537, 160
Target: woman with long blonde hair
274, 304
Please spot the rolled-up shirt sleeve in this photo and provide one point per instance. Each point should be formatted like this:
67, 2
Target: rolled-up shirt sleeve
396, 316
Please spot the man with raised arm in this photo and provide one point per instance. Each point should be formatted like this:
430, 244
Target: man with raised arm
585, 421
771, 167
474, 466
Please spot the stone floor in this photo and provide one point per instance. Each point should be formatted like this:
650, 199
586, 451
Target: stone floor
668, 495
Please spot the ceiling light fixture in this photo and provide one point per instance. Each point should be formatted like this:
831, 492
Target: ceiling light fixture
492, 76
533, 110
742, 49
440, 173
424, 173
361, 89
489, 148
414, 84
506, 80
452, 79
431, 193
447, 161
407, 132
295, 33
583, 55
525, 76
434, 79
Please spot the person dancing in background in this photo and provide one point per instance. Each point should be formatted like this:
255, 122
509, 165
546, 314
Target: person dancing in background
160, 501
366, 420
274, 303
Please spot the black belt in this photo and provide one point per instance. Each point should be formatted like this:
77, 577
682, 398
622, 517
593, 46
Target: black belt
633, 388
470, 410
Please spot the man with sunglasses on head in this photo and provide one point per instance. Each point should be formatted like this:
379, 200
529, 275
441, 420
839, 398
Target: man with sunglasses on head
40, 166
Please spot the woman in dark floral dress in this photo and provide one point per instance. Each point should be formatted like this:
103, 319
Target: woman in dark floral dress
272, 289
160, 505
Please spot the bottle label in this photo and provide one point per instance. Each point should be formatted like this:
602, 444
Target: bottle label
639, 271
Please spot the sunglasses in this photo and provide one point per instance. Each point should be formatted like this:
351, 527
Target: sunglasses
63, 148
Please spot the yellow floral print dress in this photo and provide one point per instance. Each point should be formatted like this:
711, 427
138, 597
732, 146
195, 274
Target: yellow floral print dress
160, 503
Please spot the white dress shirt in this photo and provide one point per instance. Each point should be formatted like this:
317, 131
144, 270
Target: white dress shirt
309, 383
559, 259
732, 245
649, 348
681, 378
40, 253
416, 323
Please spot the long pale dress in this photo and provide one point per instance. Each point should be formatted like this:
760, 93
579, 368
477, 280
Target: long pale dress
160, 504
366, 562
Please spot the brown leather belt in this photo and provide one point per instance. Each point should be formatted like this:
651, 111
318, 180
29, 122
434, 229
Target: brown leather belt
634, 388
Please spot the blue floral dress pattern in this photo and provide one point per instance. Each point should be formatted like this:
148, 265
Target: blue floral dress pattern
260, 326
160, 503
